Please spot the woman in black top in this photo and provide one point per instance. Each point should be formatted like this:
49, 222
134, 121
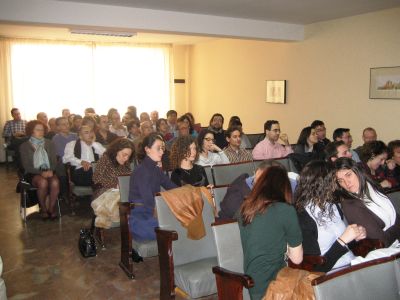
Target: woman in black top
183, 155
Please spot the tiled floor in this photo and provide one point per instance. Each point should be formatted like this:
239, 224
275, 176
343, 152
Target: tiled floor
42, 261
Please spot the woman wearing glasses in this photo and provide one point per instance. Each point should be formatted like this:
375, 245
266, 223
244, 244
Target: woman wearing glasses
210, 153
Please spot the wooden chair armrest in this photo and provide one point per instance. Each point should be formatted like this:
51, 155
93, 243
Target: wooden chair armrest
166, 261
363, 247
309, 262
244, 279
230, 284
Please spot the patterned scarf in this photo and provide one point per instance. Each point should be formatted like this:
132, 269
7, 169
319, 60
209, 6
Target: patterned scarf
40, 157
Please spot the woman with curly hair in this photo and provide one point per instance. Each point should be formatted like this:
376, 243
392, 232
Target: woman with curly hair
183, 155
269, 229
325, 232
38, 159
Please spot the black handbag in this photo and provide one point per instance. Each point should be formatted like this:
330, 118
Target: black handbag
87, 244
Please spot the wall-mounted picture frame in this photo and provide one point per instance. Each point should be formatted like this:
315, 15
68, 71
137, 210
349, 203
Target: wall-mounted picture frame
276, 91
384, 83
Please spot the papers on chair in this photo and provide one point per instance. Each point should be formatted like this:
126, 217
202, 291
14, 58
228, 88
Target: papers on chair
378, 253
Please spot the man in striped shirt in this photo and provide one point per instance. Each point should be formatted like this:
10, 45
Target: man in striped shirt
233, 151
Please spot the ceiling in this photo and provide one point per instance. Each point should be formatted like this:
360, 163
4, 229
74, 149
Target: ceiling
286, 11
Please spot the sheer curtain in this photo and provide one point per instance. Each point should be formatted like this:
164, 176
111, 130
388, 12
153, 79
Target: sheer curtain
50, 76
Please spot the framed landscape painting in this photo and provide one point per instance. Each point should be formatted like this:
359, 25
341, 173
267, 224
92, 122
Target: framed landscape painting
384, 83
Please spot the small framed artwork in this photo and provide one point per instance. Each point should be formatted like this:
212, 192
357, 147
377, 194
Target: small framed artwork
276, 91
384, 83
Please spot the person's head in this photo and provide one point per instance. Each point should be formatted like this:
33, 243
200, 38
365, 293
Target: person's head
152, 146
71, 119
89, 121
103, 123
320, 129
16, 115
350, 178
154, 116
62, 125
133, 127
272, 186
191, 117
183, 148
374, 154
36, 129
184, 126
343, 134
114, 118
65, 113
77, 121
121, 151
162, 126
90, 112
144, 116
335, 150
369, 135
217, 121
308, 137
127, 118
233, 136
236, 123
265, 164
86, 134
205, 140
42, 117
272, 130
172, 116
394, 151
316, 187
146, 128
132, 109
52, 124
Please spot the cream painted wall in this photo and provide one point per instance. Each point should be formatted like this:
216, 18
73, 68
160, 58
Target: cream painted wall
180, 100
327, 73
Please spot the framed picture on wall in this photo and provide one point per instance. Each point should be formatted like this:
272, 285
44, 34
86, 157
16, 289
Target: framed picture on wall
276, 91
384, 83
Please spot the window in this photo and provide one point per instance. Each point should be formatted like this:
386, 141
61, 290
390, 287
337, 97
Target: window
49, 77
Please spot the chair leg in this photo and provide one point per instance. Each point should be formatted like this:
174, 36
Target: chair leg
59, 208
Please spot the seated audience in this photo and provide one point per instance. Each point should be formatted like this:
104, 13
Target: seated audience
364, 204
162, 129
116, 125
216, 124
320, 129
154, 119
233, 151
14, 131
373, 158
103, 134
172, 116
145, 183
114, 162
269, 147
76, 123
144, 116
65, 113
42, 117
185, 119
343, 134
324, 229
369, 135
269, 229
196, 126
185, 171
133, 127
394, 160
63, 137
81, 154
235, 122
335, 150
210, 154
38, 159
52, 129
307, 148
239, 189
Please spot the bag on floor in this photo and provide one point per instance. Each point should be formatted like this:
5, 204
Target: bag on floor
87, 244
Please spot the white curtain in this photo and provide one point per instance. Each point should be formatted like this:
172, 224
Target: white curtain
50, 76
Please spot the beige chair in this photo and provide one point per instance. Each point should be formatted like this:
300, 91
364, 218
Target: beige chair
185, 263
219, 194
225, 174
394, 196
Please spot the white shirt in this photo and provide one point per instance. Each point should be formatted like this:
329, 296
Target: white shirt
213, 159
86, 153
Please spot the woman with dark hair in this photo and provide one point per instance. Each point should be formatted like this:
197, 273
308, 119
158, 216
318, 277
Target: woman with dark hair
116, 161
162, 129
393, 164
38, 159
210, 153
145, 183
185, 171
373, 157
324, 229
196, 126
185, 119
269, 229
308, 143
364, 204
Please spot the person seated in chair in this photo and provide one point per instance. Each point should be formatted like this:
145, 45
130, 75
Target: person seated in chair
145, 183
320, 129
368, 135
81, 154
324, 229
216, 127
335, 150
103, 134
38, 160
343, 134
233, 151
210, 154
183, 155
116, 125
14, 132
